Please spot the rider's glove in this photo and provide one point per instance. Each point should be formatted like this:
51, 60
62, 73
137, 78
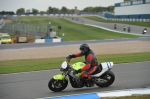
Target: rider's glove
78, 71
70, 56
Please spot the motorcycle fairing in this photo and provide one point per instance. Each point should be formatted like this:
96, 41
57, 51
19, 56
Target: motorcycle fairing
78, 65
59, 77
105, 67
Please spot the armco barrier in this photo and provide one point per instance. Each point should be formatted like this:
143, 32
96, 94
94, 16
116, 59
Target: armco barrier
53, 15
99, 95
39, 40
48, 40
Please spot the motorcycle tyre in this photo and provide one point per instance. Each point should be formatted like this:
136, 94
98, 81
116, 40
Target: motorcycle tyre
57, 89
110, 73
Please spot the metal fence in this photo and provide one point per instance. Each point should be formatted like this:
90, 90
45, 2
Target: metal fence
11, 17
25, 29
2, 23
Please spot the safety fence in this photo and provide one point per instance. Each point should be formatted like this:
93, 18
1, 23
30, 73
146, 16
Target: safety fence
52, 15
25, 29
10, 17
2, 23
128, 19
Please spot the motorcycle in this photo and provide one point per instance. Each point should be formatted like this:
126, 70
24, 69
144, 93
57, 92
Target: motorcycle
144, 32
103, 76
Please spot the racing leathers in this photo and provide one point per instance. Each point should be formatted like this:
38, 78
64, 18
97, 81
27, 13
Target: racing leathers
91, 64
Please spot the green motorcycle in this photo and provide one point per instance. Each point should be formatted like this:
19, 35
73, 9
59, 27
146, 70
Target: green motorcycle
103, 76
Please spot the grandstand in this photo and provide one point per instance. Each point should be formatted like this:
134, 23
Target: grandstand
133, 10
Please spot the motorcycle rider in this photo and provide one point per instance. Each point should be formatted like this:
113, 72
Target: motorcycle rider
144, 31
90, 60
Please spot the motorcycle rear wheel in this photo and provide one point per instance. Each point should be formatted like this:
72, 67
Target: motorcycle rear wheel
57, 85
109, 77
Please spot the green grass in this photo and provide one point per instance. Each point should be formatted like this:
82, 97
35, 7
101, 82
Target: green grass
26, 65
131, 97
74, 31
144, 24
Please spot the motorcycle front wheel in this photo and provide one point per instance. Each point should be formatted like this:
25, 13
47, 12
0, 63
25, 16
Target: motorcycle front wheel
57, 85
109, 77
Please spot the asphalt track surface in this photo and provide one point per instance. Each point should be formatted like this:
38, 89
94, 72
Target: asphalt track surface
45, 45
134, 29
34, 85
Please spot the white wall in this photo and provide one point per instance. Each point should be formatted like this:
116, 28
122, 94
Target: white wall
133, 9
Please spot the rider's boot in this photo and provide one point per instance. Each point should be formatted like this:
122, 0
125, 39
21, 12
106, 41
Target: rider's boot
91, 82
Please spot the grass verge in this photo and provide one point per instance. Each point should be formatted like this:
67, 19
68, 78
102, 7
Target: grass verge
27, 65
131, 97
144, 24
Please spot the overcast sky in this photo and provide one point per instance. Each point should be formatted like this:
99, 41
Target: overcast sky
42, 5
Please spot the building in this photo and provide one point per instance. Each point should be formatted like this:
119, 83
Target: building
131, 10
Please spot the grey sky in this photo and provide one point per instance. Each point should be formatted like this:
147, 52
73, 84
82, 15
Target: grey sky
42, 5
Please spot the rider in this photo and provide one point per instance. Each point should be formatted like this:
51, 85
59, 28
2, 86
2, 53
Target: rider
90, 60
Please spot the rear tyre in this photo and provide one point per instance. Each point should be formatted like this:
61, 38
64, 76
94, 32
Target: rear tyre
109, 77
57, 85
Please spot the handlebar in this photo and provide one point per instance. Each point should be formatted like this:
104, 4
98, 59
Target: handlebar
68, 62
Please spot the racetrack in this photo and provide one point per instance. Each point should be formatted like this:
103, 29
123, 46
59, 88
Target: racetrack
34, 84
134, 29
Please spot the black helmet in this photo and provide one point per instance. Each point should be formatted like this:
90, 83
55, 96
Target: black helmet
84, 49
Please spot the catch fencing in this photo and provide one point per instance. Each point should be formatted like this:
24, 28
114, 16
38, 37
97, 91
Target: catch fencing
11, 17
25, 29
2, 23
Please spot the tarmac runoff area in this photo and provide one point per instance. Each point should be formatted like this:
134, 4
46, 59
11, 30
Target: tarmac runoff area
96, 95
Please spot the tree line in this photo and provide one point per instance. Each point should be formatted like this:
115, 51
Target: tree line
7, 12
63, 10
127, 0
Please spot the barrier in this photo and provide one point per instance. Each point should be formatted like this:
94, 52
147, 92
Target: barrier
48, 40
134, 20
52, 15
39, 40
